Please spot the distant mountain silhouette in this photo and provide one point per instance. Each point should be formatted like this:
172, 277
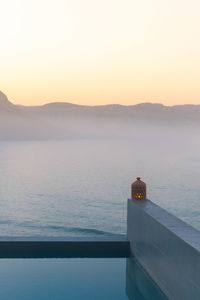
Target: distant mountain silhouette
64, 120
5, 105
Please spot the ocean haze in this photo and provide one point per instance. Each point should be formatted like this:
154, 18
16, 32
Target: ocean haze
79, 187
66, 120
66, 169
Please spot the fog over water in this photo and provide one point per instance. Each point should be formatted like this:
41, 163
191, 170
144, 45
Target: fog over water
66, 170
80, 187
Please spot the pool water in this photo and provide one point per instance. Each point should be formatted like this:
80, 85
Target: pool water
75, 278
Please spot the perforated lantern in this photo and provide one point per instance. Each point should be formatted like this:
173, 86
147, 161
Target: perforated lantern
138, 189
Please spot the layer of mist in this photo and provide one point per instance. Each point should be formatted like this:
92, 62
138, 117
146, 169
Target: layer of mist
67, 169
70, 121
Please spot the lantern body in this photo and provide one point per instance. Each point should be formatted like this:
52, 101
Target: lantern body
138, 190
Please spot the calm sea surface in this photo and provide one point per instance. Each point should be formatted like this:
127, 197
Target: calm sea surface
80, 187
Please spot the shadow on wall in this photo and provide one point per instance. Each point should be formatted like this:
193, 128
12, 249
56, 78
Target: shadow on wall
139, 285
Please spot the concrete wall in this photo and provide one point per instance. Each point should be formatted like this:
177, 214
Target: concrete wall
167, 248
139, 285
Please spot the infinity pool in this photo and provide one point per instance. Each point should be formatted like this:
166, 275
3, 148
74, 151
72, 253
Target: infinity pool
75, 278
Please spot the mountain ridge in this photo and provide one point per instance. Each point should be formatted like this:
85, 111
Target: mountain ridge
142, 112
4, 100
62, 120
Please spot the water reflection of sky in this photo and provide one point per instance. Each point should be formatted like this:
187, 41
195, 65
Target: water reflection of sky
86, 278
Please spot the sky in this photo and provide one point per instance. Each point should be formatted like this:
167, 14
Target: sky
98, 52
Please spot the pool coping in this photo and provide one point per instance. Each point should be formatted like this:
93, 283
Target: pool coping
60, 247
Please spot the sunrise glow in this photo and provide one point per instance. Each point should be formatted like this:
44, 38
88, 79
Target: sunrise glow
98, 52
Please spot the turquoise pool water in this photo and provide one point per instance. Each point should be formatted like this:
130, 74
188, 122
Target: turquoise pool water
76, 279
22, 279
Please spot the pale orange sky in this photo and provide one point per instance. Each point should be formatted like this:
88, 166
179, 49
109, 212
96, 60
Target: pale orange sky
98, 52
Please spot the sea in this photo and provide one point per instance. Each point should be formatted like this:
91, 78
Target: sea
79, 187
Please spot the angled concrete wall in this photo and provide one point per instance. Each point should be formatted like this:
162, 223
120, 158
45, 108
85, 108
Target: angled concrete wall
139, 285
167, 248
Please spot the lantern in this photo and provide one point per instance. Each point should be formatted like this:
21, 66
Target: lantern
138, 189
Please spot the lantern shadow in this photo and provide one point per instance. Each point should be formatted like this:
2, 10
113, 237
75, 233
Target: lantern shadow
139, 285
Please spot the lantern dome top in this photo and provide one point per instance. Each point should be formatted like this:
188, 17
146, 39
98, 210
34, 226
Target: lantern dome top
138, 181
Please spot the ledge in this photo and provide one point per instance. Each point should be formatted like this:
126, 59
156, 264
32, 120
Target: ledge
167, 248
47, 247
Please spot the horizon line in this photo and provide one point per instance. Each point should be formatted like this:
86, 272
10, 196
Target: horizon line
109, 104
98, 105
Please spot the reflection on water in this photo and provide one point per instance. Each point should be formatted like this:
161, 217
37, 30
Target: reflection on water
139, 285
76, 279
